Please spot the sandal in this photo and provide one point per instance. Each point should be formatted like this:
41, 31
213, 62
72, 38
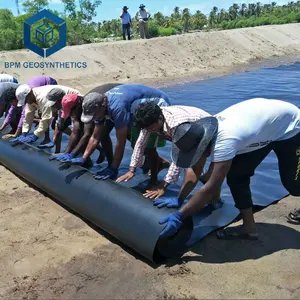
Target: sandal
232, 233
294, 216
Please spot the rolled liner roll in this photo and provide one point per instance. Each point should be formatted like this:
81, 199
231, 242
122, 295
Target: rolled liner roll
120, 211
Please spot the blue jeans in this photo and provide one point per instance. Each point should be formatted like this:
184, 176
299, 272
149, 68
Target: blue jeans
126, 29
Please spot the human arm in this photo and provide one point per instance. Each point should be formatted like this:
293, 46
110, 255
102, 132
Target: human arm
44, 122
137, 155
189, 182
84, 140
121, 134
93, 141
9, 116
207, 192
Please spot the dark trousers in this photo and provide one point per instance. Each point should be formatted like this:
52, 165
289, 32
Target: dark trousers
244, 165
126, 29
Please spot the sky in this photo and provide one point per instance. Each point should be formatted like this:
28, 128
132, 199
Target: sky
111, 9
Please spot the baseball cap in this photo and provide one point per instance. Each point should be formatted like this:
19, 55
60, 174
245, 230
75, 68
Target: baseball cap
67, 103
21, 93
53, 96
91, 103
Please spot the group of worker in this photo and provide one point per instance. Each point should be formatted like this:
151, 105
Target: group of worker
237, 140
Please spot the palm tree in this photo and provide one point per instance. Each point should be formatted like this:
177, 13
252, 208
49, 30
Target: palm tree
213, 16
159, 18
186, 16
243, 10
175, 16
258, 9
18, 8
199, 20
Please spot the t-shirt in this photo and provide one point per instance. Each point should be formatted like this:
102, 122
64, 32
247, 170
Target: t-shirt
252, 125
41, 81
7, 92
126, 19
123, 101
7, 78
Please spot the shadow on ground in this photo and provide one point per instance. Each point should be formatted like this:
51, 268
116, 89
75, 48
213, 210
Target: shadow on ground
272, 238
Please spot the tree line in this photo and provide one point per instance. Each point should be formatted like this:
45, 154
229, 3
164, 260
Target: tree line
82, 29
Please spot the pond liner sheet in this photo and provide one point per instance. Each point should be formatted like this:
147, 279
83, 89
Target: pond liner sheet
122, 212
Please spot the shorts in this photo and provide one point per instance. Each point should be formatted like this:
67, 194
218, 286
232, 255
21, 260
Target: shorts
154, 141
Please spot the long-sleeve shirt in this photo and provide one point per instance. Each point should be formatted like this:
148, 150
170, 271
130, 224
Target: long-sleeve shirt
174, 116
33, 83
40, 94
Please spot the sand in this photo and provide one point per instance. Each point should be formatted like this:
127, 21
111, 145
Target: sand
47, 252
175, 58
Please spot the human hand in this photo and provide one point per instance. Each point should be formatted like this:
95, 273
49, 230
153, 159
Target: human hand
56, 156
174, 222
108, 173
31, 138
156, 191
7, 137
18, 139
45, 146
173, 202
78, 161
126, 177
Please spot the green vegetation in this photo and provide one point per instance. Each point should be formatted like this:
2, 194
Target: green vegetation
81, 28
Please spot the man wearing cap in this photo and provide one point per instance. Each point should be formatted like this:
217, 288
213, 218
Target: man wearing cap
237, 140
142, 16
119, 104
126, 22
15, 115
47, 100
81, 133
7, 78
7, 96
162, 121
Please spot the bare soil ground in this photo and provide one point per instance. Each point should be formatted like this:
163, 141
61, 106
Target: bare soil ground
49, 253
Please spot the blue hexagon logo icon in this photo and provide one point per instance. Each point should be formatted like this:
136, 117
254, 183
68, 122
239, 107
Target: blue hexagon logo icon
45, 33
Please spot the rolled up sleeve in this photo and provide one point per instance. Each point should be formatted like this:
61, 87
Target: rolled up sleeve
172, 174
139, 148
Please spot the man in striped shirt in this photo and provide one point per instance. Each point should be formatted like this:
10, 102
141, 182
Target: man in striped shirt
163, 121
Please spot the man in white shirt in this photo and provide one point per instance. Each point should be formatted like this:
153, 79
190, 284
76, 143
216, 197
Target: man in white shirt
143, 17
126, 22
237, 139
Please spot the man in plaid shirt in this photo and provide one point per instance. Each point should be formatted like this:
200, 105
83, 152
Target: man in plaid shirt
163, 121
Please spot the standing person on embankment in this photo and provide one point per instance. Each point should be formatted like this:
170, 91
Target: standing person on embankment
15, 115
119, 105
237, 139
126, 23
142, 16
82, 132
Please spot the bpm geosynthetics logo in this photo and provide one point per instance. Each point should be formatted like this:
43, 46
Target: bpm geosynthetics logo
45, 30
